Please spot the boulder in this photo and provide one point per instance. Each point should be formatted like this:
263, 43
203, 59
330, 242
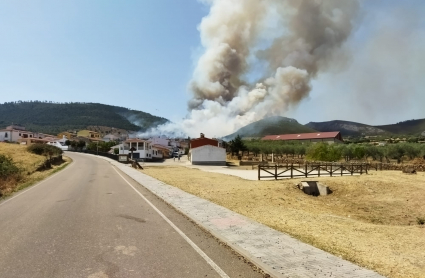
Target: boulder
314, 188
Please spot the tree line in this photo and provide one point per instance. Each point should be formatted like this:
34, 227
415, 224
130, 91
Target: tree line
326, 152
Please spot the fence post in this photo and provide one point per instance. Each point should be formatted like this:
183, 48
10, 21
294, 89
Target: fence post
275, 172
306, 170
331, 169
341, 170
259, 171
361, 169
292, 168
318, 169
366, 168
352, 169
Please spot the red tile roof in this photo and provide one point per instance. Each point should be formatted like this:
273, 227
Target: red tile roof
305, 136
199, 142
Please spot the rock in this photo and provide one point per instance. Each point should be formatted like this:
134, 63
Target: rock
314, 188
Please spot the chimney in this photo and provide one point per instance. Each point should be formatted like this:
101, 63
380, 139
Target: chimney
202, 135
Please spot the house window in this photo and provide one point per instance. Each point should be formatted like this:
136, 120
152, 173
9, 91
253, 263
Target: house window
31, 136
5, 135
19, 134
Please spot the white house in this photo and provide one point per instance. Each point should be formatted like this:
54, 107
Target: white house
205, 151
110, 137
13, 133
142, 149
160, 151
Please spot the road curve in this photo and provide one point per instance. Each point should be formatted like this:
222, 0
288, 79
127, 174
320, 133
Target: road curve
91, 220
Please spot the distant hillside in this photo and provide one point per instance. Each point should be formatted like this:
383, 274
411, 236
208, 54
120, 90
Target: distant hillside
346, 128
54, 118
271, 126
411, 127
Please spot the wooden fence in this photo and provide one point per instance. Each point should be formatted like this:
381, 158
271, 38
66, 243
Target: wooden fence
310, 170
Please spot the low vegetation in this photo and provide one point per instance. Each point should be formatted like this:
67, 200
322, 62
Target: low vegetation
372, 220
20, 166
101, 146
325, 152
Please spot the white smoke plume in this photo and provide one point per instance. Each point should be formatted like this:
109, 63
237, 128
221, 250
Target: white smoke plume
292, 39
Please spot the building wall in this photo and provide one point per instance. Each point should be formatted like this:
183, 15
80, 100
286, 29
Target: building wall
10, 135
157, 153
88, 134
325, 140
207, 155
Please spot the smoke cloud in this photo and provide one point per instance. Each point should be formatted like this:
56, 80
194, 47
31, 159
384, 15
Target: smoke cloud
291, 40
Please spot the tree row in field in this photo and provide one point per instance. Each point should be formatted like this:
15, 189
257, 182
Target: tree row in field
326, 152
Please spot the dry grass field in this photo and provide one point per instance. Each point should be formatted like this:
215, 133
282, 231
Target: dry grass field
370, 220
29, 163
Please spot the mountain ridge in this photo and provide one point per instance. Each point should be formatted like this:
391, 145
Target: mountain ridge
270, 126
349, 128
53, 118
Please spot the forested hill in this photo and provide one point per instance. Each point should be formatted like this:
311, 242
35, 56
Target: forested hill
406, 127
54, 118
270, 126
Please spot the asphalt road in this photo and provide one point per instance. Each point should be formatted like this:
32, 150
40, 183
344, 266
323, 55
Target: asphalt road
87, 221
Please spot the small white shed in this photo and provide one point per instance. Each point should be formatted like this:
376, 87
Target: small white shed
205, 151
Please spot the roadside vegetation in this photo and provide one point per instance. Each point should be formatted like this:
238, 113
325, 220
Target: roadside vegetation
373, 220
101, 146
22, 166
398, 152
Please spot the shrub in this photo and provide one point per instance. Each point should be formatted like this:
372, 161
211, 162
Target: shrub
323, 152
8, 169
420, 220
44, 149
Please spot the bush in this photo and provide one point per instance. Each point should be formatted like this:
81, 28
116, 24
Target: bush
420, 220
44, 149
8, 169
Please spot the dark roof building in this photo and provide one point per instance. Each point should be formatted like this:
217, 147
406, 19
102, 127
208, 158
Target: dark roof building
328, 137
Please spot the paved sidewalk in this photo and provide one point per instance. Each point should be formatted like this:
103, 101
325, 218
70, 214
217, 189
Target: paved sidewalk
275, 252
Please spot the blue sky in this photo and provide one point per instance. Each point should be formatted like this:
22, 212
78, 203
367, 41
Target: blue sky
141, 55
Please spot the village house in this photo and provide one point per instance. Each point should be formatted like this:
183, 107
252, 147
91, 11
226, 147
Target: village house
206, 151
68, 135
19, 134
160, 152
13, 133
93, 136
88, 134
111, 137
142, 149
325, 137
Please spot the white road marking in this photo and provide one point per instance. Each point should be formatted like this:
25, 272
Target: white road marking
34, 186
191, 243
